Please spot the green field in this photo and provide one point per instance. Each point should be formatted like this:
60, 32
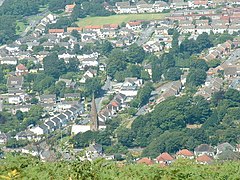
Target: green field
118, 19
20, 27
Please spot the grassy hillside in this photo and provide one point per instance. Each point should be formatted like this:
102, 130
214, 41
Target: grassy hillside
118, 19
23, 167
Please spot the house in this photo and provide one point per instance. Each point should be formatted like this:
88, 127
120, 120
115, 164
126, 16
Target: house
94, 151
224, 147
49, 98
39, 130
231, 71
72, 96
69, 82
160, 6
130, 87
15, 82
184, 153
25, 135
63, 119
3, 138
123, 7
57, 122
21, 70
90, 73
204, 159
134, 25
164, 158
89, 62
143, 7
145, 160
78, 29
204, 149
69, 8
50, 125
56, 31
9, 60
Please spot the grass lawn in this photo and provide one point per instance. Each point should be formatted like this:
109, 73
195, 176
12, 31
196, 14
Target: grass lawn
20, 27
118, 19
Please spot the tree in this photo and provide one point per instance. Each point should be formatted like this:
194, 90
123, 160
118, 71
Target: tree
145, 75
106, 47
125, 137
92, 85
75, 34
116, 62
53, 66
19, 115
156, 68
199, 63
203, 41
135, 54
196, 77
173, 74
73, 65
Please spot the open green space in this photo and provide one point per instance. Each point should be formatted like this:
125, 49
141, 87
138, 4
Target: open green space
20, 27
118, 19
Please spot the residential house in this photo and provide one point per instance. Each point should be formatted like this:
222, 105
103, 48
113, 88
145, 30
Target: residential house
57, 122
164, 158
216, 29
69, 82
25, 135
69, 8
123, 7
48, 98
78, 29
50, 125
204, 149
3, 138
202, 29
143, 7
72, 96
160, 6
221, 148
39, 130
204, 159
145, 160
63, 119
184, 153
10, 60
231, 71
21, 70
134, 25
89, 62
94, 151
90, 73
56, 31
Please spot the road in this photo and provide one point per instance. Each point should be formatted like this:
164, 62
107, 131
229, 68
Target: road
34, 23
105, 88
145, 35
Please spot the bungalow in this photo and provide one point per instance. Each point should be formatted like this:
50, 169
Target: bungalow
135, 26
15, 83
184, 153
21, 70
145, 160
164, 158
89, 62
204, 149
221, 148
204, 159
63, 119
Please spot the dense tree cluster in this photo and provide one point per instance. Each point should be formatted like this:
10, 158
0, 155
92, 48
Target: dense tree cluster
26, 167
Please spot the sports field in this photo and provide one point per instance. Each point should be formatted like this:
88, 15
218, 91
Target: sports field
118, 19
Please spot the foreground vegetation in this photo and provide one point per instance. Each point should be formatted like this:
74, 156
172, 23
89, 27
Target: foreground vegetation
118, 19
25, 167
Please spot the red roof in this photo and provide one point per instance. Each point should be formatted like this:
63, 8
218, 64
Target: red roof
134, 23
145, 160
114, 103
21, 67
110, 26
56, 31
70, 6
70, 29
204, 158
185, 152
164, 157
93, 27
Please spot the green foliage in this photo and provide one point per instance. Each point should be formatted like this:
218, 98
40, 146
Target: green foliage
173, 74
196, 77
53, 66
135, 54
92, 85
7, 29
